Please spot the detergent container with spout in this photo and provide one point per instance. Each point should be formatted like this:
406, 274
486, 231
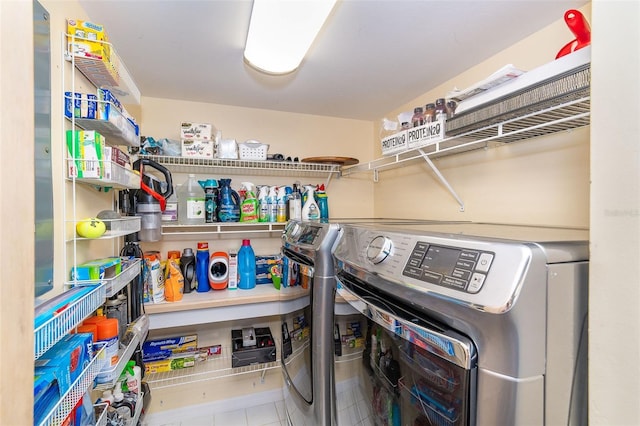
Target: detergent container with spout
210, 187
246, 266
229, 202
188, 269
202, 267
219, 270
191, 202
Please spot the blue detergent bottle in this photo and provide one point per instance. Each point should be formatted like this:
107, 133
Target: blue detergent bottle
202, 267
246, 266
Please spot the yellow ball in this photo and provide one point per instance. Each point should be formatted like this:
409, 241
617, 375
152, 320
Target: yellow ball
90, 228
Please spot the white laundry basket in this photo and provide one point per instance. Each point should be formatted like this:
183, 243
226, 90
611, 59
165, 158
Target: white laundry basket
253, 150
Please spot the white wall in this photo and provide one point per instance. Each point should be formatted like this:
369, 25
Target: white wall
614, 322
294, 135
538, 181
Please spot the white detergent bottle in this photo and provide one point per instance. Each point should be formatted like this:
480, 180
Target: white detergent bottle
310, 210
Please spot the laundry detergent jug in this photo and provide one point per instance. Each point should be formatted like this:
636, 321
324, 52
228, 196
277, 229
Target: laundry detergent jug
229, 202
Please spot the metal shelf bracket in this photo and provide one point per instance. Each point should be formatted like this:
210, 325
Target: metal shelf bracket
442, 179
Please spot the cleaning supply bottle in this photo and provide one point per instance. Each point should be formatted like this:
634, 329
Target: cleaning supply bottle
188, 269
202, 267
272, 203
281, 205
229, 205
191, 210
295, 204
246, 266
323, 202
263, 203
287, 192
249, 208
310, 210
132, 377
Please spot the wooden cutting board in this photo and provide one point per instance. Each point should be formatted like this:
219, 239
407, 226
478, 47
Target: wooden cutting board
343, 161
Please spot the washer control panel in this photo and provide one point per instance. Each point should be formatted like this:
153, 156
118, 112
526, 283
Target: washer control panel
456, 268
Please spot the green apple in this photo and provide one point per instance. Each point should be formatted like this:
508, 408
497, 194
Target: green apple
90, 228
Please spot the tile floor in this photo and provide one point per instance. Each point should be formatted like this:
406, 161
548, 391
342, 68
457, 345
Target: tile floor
352, 410
270, 414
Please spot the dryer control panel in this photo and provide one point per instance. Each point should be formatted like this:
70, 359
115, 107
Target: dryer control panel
460, 269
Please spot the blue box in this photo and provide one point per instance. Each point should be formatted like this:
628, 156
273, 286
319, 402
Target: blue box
72, 104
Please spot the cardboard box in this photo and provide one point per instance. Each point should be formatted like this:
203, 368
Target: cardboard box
164, 348
176, 362
195, 131
197, 149
89, 40
114, 155
85, 152
97, 269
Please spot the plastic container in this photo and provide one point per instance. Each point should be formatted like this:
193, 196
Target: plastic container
310, 210
170, 213
132, 376
323, 203
246, 266
188, 269
202, 267
252, 150
191, 208
108, 334
218, 270
295, 204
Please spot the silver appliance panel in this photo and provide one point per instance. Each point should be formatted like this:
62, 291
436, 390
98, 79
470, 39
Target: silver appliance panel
457, 262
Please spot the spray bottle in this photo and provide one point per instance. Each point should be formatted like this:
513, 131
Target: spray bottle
310, 210
249, 209
295, 204
281, 205
273, 203
263, 202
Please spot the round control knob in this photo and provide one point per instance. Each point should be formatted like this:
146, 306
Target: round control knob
378, 249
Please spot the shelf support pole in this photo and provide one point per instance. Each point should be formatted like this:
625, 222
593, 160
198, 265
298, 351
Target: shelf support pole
442, 179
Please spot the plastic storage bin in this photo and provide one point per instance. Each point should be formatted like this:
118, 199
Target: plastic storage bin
252, 150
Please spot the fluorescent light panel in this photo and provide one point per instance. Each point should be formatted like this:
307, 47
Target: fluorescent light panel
281, 32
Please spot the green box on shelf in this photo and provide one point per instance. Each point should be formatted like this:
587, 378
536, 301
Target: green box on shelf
84, 150
98, 269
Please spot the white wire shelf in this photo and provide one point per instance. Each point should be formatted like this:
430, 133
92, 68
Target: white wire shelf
245, 167
59, 413
214, 368
117, 283
223, 228
114, 175
116, 131
112, 75
119, 228
65, 320
124, 354
557, 118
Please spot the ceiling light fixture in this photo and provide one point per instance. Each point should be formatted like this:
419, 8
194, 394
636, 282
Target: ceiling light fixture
281, 32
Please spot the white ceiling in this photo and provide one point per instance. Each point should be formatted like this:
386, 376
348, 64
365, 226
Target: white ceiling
371, 57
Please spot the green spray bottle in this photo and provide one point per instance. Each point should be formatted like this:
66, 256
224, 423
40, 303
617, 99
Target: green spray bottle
249, 207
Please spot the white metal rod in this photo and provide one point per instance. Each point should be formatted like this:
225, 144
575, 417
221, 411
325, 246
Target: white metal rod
442, 179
